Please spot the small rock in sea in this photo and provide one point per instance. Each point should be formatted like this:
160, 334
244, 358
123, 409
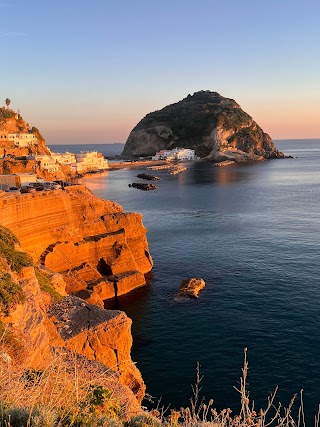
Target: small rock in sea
145, 187
191, 288
148, 177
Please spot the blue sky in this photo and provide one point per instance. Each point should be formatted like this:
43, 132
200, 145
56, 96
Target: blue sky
88, 71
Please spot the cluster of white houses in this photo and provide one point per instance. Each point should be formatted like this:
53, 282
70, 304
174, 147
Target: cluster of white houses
79, 163
21, 140
175, 154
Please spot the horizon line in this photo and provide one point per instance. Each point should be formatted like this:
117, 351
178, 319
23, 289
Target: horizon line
123, 143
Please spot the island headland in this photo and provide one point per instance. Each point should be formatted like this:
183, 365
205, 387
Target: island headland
214, 126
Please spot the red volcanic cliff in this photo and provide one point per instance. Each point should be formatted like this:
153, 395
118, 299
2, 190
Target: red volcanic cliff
101, 251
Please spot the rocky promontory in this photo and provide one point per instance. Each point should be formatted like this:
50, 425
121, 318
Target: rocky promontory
64, 242
101, 251
214, 126
40, 327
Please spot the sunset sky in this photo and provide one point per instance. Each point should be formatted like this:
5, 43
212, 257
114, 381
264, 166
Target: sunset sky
88, 71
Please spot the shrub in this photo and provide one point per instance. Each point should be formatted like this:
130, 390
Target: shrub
6, 113
46, 285
9, 342
143, 421
15, 417
11, 293
99, 400
17, 260
37, 133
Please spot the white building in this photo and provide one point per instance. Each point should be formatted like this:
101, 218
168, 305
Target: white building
64, 158
87, 161
175, 154
22, 140
47, 163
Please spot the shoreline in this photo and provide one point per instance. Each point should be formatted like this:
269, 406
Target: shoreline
136, 165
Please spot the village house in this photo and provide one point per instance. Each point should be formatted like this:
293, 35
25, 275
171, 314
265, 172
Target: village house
64, 158
175, 154
87, 161
47, 163
22, 140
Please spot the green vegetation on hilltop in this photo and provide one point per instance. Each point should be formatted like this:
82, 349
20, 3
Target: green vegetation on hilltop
37, 133
6, 113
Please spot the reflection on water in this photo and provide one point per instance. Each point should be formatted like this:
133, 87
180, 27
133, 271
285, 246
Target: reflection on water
95, 181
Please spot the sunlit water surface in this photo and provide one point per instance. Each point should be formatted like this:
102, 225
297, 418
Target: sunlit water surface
251, 232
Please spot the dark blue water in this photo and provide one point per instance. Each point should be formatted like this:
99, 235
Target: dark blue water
251, 232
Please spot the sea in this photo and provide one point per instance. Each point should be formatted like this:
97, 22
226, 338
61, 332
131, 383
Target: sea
252, 232
106, 149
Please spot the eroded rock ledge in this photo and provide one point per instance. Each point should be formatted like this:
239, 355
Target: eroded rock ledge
101, 251
101, 335
71, 328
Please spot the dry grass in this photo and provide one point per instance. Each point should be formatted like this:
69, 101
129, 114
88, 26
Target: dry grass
69, 393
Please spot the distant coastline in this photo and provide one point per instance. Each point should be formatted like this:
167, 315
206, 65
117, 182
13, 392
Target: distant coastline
105, 149
296, 139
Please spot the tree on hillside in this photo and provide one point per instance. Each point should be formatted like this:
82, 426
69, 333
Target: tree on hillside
7, 101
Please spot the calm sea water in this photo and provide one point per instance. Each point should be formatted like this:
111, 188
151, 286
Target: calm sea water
105, 149
251, 232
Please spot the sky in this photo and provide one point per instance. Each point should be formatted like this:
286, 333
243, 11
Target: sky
89, 71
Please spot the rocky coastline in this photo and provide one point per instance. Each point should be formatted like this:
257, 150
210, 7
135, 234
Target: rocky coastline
85, 250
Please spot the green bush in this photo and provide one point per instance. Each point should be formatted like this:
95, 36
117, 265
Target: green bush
11, 293
6, 113
7, 237
46, 285
143, 421
15, 417
37, 133
99, 399
10, 340
17, 260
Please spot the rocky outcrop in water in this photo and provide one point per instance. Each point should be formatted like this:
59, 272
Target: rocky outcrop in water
148, 177
142, 186
214, 126
191, 288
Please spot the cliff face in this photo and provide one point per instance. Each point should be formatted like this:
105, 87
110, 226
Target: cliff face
100, 335
43, 330
214, 126
101, 251
12, 122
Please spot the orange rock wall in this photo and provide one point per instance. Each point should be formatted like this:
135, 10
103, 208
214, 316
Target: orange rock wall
65, 230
